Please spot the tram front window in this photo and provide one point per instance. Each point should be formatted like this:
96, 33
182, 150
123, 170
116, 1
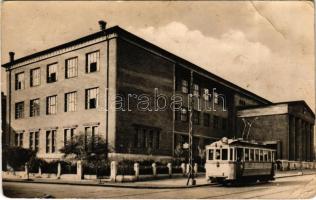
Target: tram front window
217, 154
239, 154
211, 154
224, 154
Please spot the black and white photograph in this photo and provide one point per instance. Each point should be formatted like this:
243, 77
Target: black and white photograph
158, 99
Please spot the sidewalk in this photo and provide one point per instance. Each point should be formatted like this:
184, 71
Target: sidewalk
177, 182
173, 183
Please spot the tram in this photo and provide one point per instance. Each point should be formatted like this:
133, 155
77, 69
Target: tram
236, 160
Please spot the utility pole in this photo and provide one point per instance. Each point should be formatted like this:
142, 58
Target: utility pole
191, 105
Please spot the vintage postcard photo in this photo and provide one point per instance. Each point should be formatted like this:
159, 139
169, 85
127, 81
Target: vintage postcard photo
158, 99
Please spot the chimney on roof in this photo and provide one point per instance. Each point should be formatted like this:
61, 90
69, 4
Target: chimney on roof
11, 54
102, 25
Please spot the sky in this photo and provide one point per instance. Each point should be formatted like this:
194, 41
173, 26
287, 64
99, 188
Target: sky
266, 47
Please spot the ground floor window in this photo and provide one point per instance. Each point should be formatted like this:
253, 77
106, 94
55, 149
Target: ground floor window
90, 135
19, 139
51, 141
147, 137
68, 135
34, 140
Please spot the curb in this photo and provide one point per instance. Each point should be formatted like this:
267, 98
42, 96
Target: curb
293, 175
109, 184
118, 185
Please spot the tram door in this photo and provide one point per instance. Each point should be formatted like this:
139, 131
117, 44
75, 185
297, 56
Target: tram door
239, 161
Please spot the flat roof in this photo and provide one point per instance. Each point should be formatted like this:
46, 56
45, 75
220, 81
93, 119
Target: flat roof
121, 32
302, 102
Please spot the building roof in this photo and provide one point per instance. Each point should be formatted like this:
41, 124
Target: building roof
302, 102
123, 33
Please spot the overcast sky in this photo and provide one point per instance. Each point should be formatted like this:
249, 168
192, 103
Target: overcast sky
265, 47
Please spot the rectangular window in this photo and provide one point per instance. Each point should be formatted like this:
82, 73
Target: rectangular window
51, 141
231, 156
196, 117
242, 102
261, 155
265, 155
215, 97
184, 114
34, 107
48, 141
16, 139
51, 105
256, 154
92, 62
217, 154
69, 135
251, 155
19, 110
224, 154
19, 81
147, 138
70, 102
215, 122
52, 73
136, 140
210, 154
138, 136
224, 123
90, 134
71, 69
31, 142
206, 119
150, 139
156, 139
196, 90
206, 94
92, 96
36, 141
35, 77
19, 139
185, 86
246, 154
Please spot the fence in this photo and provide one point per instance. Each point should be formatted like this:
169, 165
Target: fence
122, 171
285, 165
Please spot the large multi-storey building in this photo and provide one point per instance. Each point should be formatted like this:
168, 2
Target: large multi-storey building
115, 84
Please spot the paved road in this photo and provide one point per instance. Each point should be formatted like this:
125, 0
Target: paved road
290, 187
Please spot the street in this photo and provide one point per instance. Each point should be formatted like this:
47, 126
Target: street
289, 187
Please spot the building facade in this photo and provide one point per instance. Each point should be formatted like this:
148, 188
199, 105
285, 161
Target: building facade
286, 126
115, 84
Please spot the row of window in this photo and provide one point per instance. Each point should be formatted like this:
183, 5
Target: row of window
70, 103
71, 70
147, 138
241, 154
183, 115
51, 136
197, 91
